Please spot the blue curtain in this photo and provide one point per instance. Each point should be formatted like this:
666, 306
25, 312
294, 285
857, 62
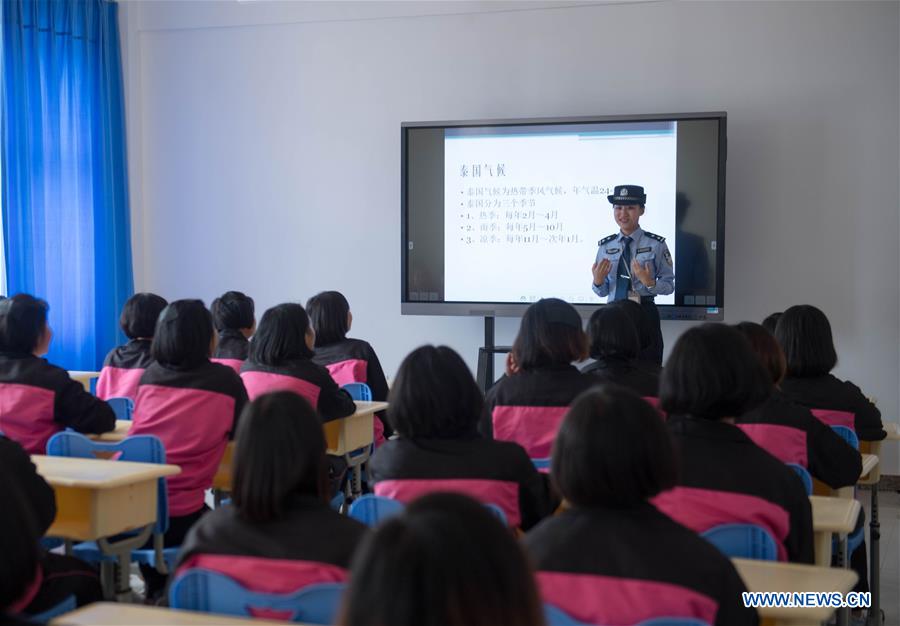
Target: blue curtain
64, 185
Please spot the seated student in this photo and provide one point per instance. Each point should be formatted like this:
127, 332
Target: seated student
233, 317
39, 399
124, 365
192, 405
527, 405
614, 346
444, 561
711, 378
435, 407
281, 360
650, 353
29, 507
789, 431
279, 534
805, 336
612, 557
347, 360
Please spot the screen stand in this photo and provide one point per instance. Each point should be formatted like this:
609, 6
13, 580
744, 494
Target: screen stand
485, 374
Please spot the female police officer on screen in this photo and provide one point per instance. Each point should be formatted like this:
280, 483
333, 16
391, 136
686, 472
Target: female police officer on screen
633, 263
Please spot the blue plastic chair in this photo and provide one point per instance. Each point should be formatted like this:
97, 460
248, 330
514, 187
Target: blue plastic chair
803, 473
359, 391
541, 464
848, 435
743, 541
555, 616
212, 592
371, 509
138, 449
122, 407
498, 512
63, 607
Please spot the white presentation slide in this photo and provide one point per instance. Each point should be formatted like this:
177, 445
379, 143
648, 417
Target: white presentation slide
523, 213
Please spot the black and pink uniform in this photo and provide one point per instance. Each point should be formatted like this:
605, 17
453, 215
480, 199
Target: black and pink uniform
38, 400
628, 373
194, 412
496, 472
829, 397
309, 544
123, 368
725, 478
792, 434
306, 379
232, 349
628, 565
529, 406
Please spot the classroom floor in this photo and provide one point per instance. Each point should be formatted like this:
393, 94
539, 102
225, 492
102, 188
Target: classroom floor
889, 517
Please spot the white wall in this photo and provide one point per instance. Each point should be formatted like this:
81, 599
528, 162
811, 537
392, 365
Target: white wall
264, 144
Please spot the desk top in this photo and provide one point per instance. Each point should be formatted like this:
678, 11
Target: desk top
115, 614
835, 515
62, 471
869, 461
892, 429
367, 408
793, 577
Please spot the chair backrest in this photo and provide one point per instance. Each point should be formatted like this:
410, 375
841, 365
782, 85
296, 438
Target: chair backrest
498, 512
555, 616
212, 592
743, 541
848, 435
371, 509
359, 391
803, 473
542, 465
55, 611
122, 407
137, 449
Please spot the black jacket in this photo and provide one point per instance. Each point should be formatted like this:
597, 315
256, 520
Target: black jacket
828, 392
631, 374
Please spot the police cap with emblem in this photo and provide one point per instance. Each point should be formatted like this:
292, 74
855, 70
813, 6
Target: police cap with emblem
628, 194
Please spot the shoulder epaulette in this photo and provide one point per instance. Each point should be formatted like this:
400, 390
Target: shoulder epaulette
654, 236
606, 240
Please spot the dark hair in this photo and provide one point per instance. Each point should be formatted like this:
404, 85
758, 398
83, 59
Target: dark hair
23, 319
232, 310
766, 349
550, 334
280, 452
712, 373
18, 543
642, 322
183, 335
612, 333
612, 449
434, 395
771, 322
328, 314
140, 313
805, 336
281, 336
445, 561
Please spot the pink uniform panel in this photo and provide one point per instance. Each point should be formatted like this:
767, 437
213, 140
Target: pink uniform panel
835, 418
701, 509
503, 493
654, 402
118, 382
26, 415
612, 601
234, 364
349, 371
267, 575
30, 592
532, 427
193, 425
783, 442
259, 383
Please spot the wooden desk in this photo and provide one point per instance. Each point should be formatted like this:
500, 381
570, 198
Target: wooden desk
830, 516
97, 498
869, 463
117, 614
84, 378
791, 577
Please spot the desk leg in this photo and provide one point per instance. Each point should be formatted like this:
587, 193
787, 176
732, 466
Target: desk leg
843, 560
875, 561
